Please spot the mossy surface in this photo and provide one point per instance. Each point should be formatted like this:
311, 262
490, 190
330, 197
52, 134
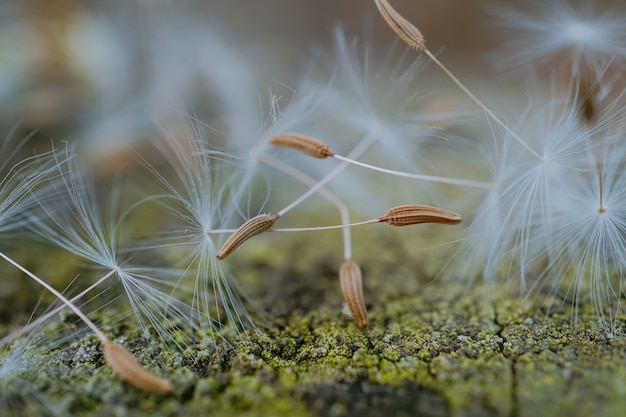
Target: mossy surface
428, 351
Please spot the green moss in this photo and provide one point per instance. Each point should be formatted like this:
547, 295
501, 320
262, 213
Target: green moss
428, 351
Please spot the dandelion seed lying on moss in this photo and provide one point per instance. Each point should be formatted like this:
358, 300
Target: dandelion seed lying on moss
119, 358
352, 289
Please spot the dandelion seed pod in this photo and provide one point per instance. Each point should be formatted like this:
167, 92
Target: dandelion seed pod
303, 143
404, 29
126, 366
416, 214
254, 226
352, 288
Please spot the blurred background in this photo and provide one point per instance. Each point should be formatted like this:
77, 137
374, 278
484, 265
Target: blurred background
80, 67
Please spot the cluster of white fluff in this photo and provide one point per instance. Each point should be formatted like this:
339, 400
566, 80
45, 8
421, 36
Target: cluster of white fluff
555, 219
548, 205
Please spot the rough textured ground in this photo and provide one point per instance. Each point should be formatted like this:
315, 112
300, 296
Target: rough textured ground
428, 351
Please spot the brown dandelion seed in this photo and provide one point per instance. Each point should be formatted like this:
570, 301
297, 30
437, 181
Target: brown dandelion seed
254, 226
352, 288
126, 366
404, 29
303, 143
416, 214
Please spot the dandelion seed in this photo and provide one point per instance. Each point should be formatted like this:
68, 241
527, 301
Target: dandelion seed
77, 223
352, 288
546, 224
588, 219
416, 214
122, 363
254, 226
302, 143
401, 27
297, 142
127, 367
